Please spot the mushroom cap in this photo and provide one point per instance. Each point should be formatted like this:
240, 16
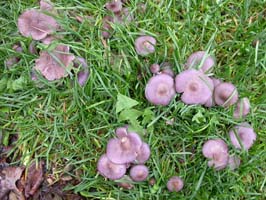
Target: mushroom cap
53, 65
210, 102
225, 94
125, 182
243, 133
124, 150
139, 172
168, 71
109, 169
155, 68
196, 58
175, 184
83, 75
183, 78
114, 6
160, 89
217, 151
234, 162
143, 154
35, 24
47, 5
121, 132
123, 17
145, 45
216, 81
242, 108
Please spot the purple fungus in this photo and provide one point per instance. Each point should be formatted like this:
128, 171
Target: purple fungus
125, 182
10, 62
121, 132
242, 108
225, 94
114, 6
124, 17
145, 45
216, 81
124, 150
160, 89
143, 154
155, 68
53, 65
234, 162
183, 78
168, 71
199, 57
46, 5
32, 48
210, 102
109, 169
35, 24
106, 26
242, 135
84, 73
217, 151
175, 184
139, 173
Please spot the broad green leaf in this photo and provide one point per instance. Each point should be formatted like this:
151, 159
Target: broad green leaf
148, 116
129, 114
124, 102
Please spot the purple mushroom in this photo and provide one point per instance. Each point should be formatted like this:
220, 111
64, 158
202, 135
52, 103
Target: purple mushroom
155, 68
242, 135
121, 132
139, 173
225, 94
125, 182
242, 108
35, 24
143, 154
106, 26
210, 102
114, 6
109, 169
233, 162
145, 45
199, 57
53, 65
47, 5
217, 151
160, 89
123, 17
84, 73
175, 184
124, 150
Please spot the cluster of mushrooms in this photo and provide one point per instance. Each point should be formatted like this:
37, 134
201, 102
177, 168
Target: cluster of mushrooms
52, 64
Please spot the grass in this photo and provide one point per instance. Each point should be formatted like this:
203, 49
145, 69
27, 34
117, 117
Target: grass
67, 125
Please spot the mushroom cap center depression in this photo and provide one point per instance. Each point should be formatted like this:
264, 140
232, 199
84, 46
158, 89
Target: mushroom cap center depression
193, 86
125, 143
162, 90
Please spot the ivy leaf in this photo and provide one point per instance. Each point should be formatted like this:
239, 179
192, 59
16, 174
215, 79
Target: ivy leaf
148, 116
129, 114
124, 103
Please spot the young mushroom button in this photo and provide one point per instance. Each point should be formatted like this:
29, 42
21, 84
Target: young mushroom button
145, 45
225, 94
139, 172
175, 184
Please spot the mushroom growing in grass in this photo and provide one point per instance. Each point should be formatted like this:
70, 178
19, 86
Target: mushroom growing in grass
217, 151
35, 24
114, 6
197, 88
125, 182
145, 45
233, 162
143, 154
121, 132
53, 65
109, 169
242, 135
155, 68
210, 102
84, 73
106, 26
160, 89
139, 172
242, 108
124, 150
225, 94
175, 184
200, 57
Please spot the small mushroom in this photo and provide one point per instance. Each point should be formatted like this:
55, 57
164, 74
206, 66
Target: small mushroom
242, 108
210, 102
123, 17
84, 73
121, 132
242, 135
199, 57
217, 151
109, 169
225, 94
175, 184
114, 6
233, 162
139, 173
143, 154
160, 89
52, 65
155, 68
145, 45
167, 69
124, 150
47, 5
35, 24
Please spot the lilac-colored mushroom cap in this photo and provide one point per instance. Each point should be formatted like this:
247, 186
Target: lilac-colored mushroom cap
225, 94
244, 134
35, 24
196, 58
124, 150
143, 154
84, 73
242, 108
114, 6
125, 182
139, 172
145, 45
155, 68
234, 162
217, 151
109, 169
121, 132
175, 184
160, 89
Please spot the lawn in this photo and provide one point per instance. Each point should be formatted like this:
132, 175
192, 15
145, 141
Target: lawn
68, 126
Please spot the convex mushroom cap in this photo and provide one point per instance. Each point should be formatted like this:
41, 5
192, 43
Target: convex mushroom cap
139, 172
242, 135
145, 45
114, 6
175, 184
225, 94
109, 169
242, 108
217, 151
199, 57
160, 89
35, 24
84, 73
143, 154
